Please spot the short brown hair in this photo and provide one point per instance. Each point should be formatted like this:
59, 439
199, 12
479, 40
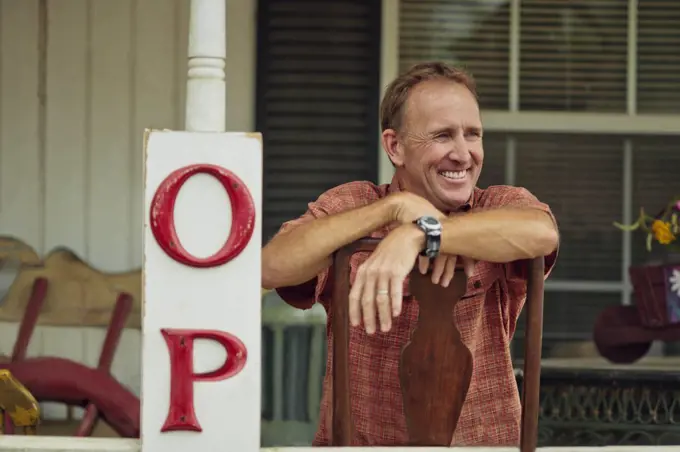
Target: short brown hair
392, 105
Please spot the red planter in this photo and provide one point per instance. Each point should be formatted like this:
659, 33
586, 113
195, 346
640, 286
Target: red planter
657, 305
624, 334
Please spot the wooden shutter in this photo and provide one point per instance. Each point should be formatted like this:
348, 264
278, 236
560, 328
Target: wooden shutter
471, 33
318, 88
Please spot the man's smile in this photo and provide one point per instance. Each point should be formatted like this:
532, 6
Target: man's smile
453, 177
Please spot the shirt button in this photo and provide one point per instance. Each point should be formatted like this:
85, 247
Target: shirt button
477, 284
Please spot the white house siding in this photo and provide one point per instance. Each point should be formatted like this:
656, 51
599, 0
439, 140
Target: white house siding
112, 69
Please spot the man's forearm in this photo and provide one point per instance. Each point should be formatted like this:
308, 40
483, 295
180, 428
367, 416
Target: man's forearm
500, 235
296, 256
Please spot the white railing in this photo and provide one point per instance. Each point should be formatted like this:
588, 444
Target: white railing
66, 444
278, 317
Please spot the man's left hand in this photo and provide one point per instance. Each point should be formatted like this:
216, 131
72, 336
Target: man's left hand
379, 281
378, 287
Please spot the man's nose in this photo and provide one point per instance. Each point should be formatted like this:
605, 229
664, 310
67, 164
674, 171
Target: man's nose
460, 151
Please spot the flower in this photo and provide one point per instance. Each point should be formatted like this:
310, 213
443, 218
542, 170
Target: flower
662, 232
664, 227
674, 281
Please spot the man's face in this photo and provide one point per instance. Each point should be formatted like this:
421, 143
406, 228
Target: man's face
439, 149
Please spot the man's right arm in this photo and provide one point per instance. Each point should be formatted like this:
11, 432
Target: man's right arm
299, 254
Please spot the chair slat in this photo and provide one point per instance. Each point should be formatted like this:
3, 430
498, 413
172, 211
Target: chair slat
533, 343
436, 367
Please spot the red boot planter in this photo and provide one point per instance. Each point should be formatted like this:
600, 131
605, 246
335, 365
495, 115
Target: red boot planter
624, 334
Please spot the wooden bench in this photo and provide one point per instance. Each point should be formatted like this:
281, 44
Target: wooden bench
432, 405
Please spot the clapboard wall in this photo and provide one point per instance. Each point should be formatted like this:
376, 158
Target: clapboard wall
71, 155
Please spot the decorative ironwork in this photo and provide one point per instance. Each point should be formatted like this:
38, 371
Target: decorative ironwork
605, 407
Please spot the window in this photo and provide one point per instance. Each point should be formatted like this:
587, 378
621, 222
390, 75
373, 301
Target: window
581, 104
452, 31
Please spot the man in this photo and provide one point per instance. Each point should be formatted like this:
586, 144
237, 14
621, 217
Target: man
432, 133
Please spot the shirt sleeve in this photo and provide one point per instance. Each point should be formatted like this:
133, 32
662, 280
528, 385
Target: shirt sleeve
516, 273
335, 200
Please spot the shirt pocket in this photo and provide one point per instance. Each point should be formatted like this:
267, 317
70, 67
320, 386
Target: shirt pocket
482, 280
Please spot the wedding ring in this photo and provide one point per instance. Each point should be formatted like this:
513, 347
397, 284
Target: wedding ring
383, 292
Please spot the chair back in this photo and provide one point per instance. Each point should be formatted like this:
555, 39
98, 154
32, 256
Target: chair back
436, 366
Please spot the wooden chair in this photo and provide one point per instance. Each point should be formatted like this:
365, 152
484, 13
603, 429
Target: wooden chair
75, 294
432, 414
41, 371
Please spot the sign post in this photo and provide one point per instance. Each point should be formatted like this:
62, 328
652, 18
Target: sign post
201, 309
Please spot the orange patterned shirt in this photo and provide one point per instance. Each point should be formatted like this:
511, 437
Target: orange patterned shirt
486, 320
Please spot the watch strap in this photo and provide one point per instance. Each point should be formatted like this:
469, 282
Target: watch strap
432, 236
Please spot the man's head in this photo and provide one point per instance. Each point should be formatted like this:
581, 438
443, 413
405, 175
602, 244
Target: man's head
432, 133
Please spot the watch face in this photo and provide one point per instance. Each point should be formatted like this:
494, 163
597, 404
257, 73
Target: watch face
431, 221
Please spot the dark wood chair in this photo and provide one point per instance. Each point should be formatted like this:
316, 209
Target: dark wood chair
433, 399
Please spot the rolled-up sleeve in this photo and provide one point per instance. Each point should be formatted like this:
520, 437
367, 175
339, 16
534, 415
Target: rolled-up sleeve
333, 201
516, 273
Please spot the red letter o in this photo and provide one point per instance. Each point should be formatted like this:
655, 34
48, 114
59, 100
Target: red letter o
162, 215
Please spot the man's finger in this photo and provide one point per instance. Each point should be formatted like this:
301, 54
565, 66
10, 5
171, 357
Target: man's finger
368, 302
438, 268
469, 267
383, 303
396, 296
423, 264
355, 298
449, 271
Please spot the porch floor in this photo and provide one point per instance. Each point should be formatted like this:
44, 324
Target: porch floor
68, 428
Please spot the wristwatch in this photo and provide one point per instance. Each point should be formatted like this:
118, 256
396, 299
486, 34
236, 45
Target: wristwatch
433, 232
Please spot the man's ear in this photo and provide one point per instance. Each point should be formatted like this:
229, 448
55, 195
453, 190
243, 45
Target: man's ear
391, 145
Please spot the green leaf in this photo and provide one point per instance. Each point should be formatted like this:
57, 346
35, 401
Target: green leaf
631, 227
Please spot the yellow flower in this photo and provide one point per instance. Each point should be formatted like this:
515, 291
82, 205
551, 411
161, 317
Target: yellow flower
662, 232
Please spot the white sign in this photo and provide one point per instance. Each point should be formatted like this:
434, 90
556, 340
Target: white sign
202, 311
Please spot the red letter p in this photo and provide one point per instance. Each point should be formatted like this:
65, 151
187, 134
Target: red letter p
181, 414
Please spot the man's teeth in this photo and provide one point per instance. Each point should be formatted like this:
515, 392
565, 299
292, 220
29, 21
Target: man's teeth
453, 174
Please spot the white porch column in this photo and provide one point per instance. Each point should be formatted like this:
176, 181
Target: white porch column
206, 85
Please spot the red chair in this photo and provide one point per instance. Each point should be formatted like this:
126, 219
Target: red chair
74, 384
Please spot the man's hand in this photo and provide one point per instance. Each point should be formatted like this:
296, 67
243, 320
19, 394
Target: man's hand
407, 208
378, 286
379, 281
444, 267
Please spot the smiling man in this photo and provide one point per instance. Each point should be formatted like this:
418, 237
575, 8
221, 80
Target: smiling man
431, 213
